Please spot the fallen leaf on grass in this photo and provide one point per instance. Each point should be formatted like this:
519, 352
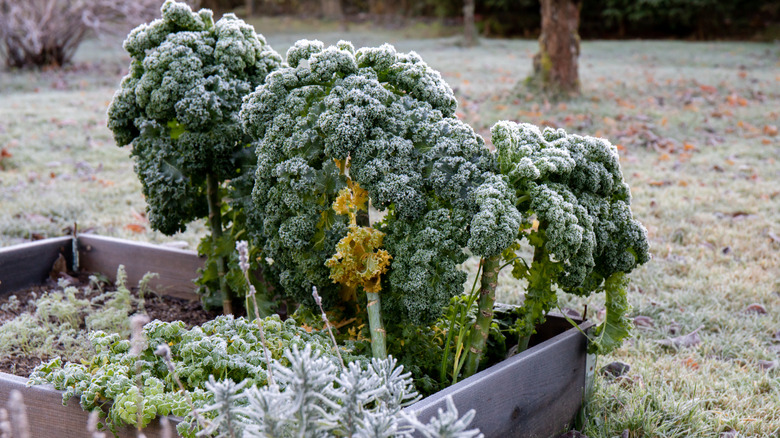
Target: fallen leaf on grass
136, 228
645, 322
756, 308
691, 363
692, 339
615, 369
767, 365
770, 130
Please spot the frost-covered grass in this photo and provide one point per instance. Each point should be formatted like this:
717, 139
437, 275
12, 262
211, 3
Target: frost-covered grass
694, 125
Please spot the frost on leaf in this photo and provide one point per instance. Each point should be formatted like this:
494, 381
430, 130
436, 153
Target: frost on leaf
179, 103
392, 117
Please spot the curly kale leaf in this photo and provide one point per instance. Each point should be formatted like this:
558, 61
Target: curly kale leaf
178, 106
392, 116
574, 187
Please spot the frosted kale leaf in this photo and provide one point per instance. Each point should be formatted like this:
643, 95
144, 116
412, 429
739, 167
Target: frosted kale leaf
384, 120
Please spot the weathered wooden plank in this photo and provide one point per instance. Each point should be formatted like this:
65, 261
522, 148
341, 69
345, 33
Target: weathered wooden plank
535, 394
28, 264
176, 268
47, 417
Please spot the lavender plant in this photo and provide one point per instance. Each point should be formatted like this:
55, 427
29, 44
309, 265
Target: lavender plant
317, 398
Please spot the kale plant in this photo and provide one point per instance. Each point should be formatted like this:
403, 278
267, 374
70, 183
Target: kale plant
585, 238
340, 129
178, 107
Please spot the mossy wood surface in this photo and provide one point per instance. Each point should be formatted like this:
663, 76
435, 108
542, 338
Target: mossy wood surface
534, 394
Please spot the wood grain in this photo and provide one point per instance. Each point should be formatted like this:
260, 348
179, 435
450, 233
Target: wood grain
177, 269
29, 264
535, 394
47, 417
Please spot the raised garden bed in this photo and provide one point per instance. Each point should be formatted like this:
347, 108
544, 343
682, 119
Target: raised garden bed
537, 393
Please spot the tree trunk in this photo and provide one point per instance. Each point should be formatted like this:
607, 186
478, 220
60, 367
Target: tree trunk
331, 9
555, 66
250, 8
469, 27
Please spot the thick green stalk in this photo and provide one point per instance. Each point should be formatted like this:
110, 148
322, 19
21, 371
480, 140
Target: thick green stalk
378, 335
374, 307
215, 221
481, 328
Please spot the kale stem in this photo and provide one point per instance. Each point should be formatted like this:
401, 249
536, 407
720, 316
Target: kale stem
378, 334
215, 221
443, 368
481, 327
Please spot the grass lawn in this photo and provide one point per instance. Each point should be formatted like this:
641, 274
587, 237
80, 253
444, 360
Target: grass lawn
697, 128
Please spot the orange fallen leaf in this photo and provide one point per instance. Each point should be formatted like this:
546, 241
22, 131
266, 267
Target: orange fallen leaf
136, 228
689, 147
664, 121
742, 74
659, 183
742, 101
708, 89
770, 130
729, 161
683, 183
691, 363
664, 157
766, 141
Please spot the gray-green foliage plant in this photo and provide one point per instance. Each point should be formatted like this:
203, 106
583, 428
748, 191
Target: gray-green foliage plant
178, 108
226, 347
317, 397
338, 118
61, 322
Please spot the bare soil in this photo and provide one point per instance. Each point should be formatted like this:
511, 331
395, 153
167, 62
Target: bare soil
160, 307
